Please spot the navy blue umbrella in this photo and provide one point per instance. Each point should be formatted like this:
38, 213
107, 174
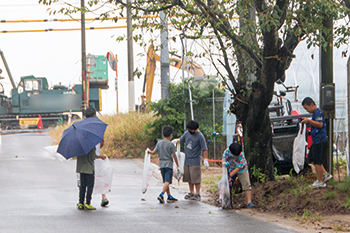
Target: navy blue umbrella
81, 137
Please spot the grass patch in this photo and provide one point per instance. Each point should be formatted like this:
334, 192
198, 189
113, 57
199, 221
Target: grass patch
213, 188
330, 195
344, 186
310, 216
209, 180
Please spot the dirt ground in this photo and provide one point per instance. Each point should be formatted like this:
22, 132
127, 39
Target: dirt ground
290, 202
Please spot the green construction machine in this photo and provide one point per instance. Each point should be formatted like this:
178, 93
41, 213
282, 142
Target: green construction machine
32, 99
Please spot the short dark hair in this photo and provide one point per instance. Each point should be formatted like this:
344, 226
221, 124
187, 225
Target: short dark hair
308, 101
235, 149
167, 131
192, 125
90, 112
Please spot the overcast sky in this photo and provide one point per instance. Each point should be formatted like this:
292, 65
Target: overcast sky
57, 55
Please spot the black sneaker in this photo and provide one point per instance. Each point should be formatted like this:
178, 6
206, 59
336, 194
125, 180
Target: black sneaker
188, 196
104, 203
171, 199
196, 197
160, 199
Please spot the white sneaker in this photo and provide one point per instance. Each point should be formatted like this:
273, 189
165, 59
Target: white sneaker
318, 184
327, 177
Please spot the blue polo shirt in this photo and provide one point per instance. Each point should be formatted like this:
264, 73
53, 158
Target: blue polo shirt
319, 135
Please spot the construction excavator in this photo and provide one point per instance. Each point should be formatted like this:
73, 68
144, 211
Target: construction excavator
194, 68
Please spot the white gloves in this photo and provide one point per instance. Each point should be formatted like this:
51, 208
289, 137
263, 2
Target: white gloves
206, 163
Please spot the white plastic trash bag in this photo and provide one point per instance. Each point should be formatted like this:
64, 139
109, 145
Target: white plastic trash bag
148, 168
103, 176
299, 148
181, 160
224, 190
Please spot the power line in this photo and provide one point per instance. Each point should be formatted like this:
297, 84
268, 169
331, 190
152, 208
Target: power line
67, 20
65, 29
61, 29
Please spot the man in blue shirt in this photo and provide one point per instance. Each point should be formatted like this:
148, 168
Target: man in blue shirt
319, 141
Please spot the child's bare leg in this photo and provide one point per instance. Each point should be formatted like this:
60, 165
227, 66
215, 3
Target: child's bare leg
319, 172
324, 172
191, 186
198, 188
166, 188
248, 194
104, 197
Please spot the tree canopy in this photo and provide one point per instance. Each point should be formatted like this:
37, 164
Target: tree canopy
253, 40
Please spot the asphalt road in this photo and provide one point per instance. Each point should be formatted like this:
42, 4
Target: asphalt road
39, 194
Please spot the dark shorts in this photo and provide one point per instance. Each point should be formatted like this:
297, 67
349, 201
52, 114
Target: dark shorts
316, 153
167, 174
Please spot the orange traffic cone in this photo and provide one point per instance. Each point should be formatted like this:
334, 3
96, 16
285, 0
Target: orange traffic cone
40, 123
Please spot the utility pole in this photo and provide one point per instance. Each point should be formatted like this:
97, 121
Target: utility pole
164, 57
130, 59
83, 58
348, 145
326, 78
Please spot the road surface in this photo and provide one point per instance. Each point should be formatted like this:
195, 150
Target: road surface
39, 194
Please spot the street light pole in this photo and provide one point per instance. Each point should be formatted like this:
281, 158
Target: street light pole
130, 59
164, 57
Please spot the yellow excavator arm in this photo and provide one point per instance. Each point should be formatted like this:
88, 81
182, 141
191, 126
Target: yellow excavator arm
194, 68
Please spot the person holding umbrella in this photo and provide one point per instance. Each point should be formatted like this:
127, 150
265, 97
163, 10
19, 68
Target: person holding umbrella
79, 140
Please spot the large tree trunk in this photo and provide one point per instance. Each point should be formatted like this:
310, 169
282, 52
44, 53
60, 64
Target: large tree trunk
251, 105
258, 143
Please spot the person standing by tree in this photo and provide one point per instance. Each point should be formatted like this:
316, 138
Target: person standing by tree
195, 147
319, 141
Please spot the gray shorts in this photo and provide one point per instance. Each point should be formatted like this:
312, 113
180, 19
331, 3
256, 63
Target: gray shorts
245, 181
192, 174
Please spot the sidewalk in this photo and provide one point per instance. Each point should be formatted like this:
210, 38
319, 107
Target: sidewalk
178, 185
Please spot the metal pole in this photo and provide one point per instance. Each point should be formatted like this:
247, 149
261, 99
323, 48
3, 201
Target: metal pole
164, 57
83, 56
348, 138
130, 60
189, 86
116, 83
214, 125
183, 74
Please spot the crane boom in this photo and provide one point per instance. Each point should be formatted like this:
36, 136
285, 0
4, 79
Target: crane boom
7, 69
194, 68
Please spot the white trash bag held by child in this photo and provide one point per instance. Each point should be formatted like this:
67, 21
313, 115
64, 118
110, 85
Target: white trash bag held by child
180, 159
148, 168
224, 190
299, 147
103, 176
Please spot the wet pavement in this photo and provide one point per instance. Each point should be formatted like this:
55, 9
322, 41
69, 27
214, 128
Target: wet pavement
39, 194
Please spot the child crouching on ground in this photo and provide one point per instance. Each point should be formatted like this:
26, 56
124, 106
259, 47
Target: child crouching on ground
166, 152
237, 165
